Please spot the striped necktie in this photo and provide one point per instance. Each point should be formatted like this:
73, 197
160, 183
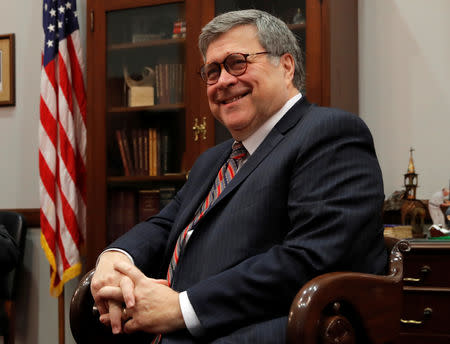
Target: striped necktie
226, 173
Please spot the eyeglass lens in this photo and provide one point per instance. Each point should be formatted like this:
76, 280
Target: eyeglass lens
235, 64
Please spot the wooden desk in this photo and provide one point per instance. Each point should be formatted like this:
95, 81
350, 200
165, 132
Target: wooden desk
426, 293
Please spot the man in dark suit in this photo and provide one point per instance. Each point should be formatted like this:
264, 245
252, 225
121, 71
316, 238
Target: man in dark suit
303, 199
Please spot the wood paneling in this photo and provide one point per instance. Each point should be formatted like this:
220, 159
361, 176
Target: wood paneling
31, 215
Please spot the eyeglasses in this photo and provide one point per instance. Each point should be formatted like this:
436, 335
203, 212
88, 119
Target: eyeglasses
235, 64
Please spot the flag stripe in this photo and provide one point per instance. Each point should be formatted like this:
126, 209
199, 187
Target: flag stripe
50, 128
77, 76
62, 143
46, 177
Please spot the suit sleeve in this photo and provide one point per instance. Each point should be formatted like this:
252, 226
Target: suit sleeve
334, 206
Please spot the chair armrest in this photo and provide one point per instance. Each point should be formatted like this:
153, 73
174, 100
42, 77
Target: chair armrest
349, 307
84, 319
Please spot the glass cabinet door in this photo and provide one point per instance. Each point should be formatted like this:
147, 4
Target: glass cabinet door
292, 12
145, 111
145, 89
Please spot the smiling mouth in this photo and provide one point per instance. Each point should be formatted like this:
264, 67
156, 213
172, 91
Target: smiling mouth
231, 100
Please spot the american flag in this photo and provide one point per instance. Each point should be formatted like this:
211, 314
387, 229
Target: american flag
62, 143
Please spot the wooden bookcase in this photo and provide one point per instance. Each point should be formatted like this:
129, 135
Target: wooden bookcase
142, 39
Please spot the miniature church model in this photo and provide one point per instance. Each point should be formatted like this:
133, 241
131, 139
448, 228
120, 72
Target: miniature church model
411, 178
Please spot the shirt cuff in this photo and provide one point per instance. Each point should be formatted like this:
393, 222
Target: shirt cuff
118, 250
190, 318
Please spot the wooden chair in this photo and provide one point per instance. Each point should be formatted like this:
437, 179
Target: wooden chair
350, 307
334, 308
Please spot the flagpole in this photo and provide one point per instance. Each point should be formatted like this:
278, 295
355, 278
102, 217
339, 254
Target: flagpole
61, 322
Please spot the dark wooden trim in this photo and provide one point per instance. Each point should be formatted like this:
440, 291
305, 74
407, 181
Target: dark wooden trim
126, 4
96, 136
314, 51
31, 215
342, 56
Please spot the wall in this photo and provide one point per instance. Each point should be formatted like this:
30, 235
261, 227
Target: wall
404, 54
404, 98
18, 124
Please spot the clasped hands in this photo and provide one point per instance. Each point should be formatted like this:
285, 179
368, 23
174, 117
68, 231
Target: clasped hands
129, 301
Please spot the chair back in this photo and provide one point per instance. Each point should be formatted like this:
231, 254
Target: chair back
16, 226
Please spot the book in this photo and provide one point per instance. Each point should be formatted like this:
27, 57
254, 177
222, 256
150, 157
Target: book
166, 84
145, 145
141, 152
154, 149
127, 149
157, 152
158, 83
166, 195
166, 153
126, 167
150, 151
121, 213
148, 204
134, 140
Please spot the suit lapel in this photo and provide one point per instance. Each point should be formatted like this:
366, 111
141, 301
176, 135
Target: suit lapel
276, 135
204, 186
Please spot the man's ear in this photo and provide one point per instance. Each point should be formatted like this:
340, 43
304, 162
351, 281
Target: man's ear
288, 64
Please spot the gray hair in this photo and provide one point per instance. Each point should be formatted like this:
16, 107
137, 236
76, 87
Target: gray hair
273, 35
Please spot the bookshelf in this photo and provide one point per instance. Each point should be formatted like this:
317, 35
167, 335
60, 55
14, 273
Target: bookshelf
145, 94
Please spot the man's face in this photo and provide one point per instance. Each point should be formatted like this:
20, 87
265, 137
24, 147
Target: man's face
243, 103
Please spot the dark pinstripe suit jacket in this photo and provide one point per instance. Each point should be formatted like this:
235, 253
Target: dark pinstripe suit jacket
308, 201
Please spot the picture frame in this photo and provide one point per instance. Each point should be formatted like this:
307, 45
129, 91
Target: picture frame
7, 70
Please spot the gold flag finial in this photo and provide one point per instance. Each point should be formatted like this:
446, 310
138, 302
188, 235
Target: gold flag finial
411, 168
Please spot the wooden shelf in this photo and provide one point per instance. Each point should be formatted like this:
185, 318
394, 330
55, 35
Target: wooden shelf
153, 108
297, 27
146, 44
138, 180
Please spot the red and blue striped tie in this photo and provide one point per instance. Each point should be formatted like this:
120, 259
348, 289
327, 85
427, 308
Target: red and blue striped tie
226, 173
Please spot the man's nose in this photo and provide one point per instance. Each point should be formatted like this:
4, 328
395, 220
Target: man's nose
226, 78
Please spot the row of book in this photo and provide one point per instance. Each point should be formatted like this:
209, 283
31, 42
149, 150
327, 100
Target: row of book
145, 151
170, 78
129, 207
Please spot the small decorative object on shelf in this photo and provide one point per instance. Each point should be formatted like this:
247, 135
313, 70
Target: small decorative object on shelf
179, 29
437, 231
141, 89
298, 18
411, 178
